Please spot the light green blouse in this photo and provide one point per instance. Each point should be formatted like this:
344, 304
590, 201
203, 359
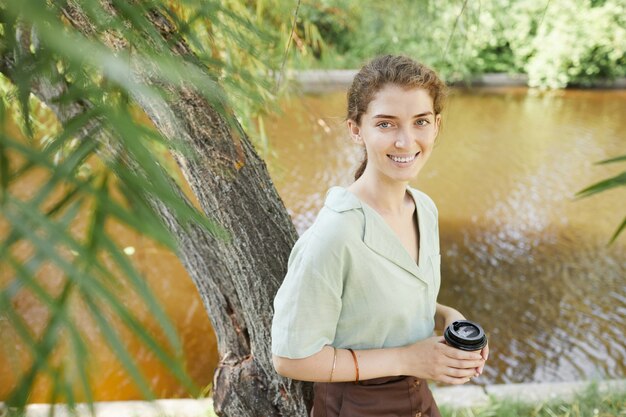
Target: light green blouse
351, 284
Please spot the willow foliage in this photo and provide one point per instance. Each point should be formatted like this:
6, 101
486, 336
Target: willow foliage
98, 157
618, 180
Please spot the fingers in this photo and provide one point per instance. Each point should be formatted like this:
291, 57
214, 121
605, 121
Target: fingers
454, 381
468, 364
457, 376
464, 364
447, 364
461, 354
460, 370
485, 355
461, 373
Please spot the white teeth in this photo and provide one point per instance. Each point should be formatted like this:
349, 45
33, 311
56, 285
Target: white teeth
403, 160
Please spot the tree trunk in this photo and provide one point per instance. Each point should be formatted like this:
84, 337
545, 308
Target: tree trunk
237, 278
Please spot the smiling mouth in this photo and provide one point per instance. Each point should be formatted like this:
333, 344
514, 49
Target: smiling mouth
403, 159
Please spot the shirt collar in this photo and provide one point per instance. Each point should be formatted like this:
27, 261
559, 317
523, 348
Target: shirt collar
340, 199
377, 235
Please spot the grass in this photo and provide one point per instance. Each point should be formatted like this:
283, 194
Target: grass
590, 403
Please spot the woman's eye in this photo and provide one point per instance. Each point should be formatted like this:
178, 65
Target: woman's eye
384, 125
421, 122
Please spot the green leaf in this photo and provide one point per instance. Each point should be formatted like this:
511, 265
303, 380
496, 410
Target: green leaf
90, 288
156, 182
25, 333
43, 348
99, 82
145, 292
93, 288
612, 160
112, 338
616, 181
27, 270
619, 230
26, 277
70, 214
96, 232
139, 330
4, 169
152, 229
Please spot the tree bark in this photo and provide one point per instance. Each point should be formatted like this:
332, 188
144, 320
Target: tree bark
237, 278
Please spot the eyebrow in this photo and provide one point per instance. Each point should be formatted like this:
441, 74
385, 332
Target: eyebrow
386, 116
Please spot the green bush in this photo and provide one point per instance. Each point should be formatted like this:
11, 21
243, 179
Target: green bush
576, 43
556, 43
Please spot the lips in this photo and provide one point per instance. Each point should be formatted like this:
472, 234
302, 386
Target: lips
403, 159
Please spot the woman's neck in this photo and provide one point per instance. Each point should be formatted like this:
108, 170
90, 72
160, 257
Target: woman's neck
386, 197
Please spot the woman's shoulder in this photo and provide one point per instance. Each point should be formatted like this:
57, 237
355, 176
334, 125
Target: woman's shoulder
340, 200
342, 212
339, 221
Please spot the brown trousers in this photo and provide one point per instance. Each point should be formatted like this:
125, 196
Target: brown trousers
397, 396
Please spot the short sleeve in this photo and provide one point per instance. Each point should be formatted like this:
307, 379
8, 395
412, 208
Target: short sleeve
307, 306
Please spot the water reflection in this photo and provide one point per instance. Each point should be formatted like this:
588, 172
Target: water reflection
520, 255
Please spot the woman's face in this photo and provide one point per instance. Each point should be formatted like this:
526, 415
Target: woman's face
398, 131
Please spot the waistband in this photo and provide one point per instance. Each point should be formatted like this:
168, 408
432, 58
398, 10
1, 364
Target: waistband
382, 380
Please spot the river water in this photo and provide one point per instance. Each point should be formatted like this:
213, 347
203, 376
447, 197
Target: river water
520, 254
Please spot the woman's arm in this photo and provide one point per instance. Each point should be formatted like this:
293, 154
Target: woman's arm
430, 358
373, 363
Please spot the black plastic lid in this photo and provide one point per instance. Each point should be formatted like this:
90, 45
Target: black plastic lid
465, 335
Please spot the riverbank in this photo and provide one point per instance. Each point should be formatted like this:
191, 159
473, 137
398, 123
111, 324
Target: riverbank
450, 398
321, 81
469, 396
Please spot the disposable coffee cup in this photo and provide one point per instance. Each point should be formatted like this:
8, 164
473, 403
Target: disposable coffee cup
465, 335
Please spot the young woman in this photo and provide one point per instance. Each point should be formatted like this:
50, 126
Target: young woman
358, 307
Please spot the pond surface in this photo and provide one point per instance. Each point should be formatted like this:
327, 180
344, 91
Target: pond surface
520, 254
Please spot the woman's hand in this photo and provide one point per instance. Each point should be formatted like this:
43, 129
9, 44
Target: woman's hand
433, 359
453, 315
485, 355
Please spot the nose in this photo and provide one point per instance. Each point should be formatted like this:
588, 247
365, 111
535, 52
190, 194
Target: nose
403, 140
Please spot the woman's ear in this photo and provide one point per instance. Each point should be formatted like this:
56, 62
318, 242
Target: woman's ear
355, 132
437, 125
